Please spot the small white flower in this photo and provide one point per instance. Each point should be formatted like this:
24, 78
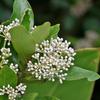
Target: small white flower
2, 92
13, 93
33, 28
52, 60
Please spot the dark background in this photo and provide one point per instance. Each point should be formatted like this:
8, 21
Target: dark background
79, 20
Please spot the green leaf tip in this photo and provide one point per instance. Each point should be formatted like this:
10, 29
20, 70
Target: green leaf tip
27, 19
76, 73
41, 32
54, 31
20, 9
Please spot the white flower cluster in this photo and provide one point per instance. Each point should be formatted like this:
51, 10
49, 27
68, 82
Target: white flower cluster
13, 92
14, 67
5, 53
52, 60
5, 29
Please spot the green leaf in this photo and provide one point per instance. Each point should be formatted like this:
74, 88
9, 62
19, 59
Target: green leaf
54, 31
35, 96
47, 98
23, 11
76, 73
27, 22
3, 98
21, 38
22, 41
70, 90
7, 76
41, 32
30, 96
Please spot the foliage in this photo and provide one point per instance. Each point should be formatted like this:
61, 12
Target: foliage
81, 76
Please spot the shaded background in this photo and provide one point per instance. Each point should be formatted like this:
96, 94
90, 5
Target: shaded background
79, 19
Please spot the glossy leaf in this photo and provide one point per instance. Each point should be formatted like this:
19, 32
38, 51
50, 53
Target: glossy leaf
7, 76
77, 89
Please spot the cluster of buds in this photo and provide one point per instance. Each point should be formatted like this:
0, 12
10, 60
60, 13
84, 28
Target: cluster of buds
5, 53
5, 30
51, 60
1, 28
14, 67
13, 93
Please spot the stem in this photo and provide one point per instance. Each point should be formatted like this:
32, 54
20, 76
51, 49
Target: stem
4, 43
1, 64
2, 35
